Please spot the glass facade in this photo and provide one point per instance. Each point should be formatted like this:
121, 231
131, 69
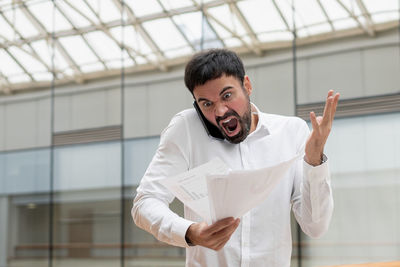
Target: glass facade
88, 212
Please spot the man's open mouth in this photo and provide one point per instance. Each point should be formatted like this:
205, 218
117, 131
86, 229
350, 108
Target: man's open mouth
230, 125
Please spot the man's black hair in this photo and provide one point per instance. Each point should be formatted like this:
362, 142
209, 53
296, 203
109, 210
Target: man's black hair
212, 64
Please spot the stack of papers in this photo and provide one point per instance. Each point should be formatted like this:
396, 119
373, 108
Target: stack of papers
214, 192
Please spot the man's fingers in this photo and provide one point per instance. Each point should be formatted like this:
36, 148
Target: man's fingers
222, 237
330, 93
219, 225
313, 120
334, 105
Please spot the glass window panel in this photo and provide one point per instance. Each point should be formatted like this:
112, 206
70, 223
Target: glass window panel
385, 17
345, 24
28, 234
84, 8
173, 4
77, 19
224, 15
232, 42
106, 10
21, 23
131, 38
276, 36
46, 76
352, 6
261, 15
287, 12
92, 67
105, 47
190, 24
25, 171
29, 63
142, 8
302, 33
221, 31
59, 61
6, 31
43, 50
309, 11
164, 34
334, 10
7, 65
60, 23
20, 78
178, 52
138, 154
374, 6
365, 185
90, 166
78, 49
316, 29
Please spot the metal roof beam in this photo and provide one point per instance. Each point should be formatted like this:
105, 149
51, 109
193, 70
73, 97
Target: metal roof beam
146, 37
83, 36
38, 25
326, 14
281, 15
234, 34
367, 16
105, 30
176, 26
351, 13
5, 85
255, 42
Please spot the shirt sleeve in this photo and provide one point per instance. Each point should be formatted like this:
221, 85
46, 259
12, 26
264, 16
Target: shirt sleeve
312, 200
151, 205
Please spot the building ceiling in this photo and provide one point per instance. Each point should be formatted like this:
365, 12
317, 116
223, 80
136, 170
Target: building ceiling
80, 40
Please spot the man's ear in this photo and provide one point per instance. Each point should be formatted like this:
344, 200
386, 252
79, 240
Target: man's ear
247, 85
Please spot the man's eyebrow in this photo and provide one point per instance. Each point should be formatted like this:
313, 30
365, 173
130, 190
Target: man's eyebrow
222, 91
225, 88
202, 99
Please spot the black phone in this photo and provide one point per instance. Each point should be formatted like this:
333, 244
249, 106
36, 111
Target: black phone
211, 129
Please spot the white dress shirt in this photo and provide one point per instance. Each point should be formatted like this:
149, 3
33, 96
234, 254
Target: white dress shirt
263, 237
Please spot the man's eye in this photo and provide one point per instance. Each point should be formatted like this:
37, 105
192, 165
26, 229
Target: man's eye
206, 104
227, 95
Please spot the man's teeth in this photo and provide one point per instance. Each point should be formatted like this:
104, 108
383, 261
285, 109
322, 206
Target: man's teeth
226, 121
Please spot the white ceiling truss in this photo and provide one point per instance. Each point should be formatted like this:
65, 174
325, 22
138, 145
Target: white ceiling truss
89, 39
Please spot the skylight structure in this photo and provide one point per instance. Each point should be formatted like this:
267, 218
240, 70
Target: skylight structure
89, 39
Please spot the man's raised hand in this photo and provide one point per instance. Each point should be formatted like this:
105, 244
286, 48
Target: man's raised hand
321, 129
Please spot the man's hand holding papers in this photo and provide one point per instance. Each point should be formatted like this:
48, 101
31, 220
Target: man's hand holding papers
219, 195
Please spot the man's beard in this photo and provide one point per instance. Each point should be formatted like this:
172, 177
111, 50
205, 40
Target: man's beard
244, 122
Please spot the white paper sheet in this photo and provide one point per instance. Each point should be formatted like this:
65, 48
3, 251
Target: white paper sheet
190, 187
214, 192
236, 193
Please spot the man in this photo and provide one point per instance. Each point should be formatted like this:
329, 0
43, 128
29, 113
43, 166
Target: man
227, 125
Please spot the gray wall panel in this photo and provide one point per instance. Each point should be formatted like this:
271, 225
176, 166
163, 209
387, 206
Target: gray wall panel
136, 112
62, 111
43, 117
381, 70
88, 110
274, 87
340, 72
113, 112
165, 100
3, 126
20, 126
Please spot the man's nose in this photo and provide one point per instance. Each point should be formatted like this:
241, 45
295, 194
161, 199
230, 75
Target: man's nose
220, 110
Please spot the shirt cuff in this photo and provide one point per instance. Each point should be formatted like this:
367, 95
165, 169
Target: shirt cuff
318, 173
179, 230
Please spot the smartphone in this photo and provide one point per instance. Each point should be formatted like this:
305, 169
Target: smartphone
211, 129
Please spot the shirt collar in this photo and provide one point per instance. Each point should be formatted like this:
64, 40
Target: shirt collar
262, 125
